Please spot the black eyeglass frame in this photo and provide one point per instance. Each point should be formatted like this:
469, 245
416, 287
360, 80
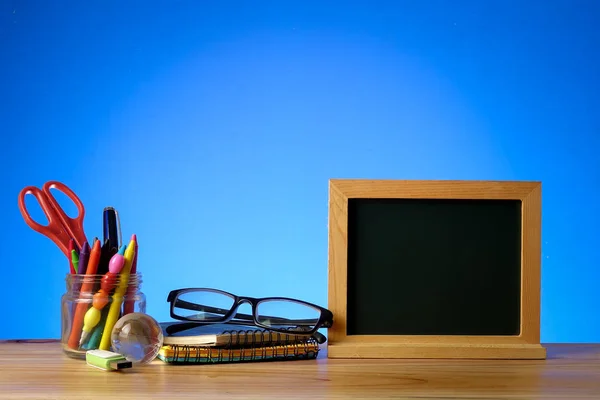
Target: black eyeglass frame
325, 319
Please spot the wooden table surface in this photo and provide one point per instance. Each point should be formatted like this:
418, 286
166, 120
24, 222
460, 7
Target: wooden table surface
39, 370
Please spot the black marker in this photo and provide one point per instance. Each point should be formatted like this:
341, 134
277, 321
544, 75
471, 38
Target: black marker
110, 227
111, 242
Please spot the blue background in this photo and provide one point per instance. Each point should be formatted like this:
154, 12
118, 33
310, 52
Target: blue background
213, 127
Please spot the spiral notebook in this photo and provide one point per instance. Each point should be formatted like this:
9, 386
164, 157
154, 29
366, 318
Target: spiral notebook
226, 335
182, 354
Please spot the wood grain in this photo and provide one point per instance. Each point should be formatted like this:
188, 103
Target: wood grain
526, 345
433, 189
39, 370
531, 259
338, 262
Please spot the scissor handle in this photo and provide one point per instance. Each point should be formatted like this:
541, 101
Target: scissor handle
61, 228
53, 230
74, 226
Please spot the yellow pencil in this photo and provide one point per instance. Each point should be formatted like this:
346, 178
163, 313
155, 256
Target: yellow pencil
115, 307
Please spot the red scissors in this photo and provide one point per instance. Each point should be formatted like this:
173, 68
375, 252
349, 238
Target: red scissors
61, 228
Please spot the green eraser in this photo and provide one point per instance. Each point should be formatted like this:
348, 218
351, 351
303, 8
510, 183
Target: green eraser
106, 360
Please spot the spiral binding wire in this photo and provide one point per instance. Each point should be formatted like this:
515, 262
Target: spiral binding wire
241, 349
248, 337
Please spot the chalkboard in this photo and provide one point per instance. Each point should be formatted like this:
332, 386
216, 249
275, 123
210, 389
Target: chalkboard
434, 269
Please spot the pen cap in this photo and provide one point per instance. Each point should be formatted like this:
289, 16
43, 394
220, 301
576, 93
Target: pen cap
138, 337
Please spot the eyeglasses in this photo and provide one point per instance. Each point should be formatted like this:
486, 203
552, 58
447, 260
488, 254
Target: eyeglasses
199, 306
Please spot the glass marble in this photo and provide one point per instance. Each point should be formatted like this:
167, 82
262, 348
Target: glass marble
138, 337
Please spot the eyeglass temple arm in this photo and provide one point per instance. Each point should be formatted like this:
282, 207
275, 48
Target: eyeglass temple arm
274, 320
183, 326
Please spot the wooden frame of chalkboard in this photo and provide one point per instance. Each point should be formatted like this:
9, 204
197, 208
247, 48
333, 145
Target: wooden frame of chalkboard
493, 309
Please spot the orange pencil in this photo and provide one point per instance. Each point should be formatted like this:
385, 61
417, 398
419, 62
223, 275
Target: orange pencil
86, 287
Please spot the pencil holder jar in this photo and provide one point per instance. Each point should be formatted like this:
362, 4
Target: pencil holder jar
91, 306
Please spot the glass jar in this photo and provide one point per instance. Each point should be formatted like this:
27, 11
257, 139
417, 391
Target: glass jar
92, 305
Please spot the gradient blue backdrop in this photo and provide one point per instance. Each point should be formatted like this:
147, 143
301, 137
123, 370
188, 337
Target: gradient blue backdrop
213, 127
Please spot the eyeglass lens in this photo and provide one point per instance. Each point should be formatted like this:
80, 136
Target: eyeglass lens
209, 306
202, 305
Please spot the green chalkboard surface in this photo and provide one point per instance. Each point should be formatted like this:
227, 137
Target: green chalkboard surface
434, 267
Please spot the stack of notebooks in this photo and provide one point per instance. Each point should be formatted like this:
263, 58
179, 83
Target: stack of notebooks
227, 343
